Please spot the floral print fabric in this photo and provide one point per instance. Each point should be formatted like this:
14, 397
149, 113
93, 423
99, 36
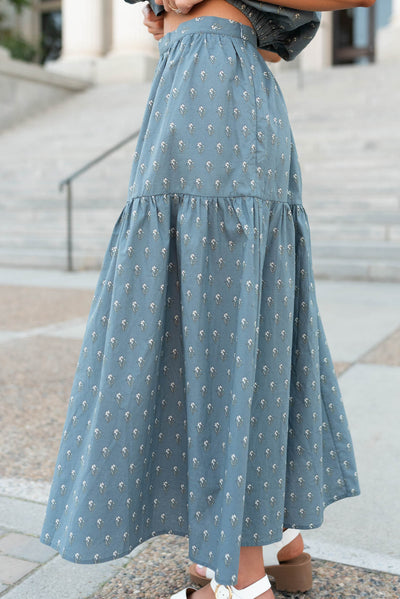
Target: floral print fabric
205, 402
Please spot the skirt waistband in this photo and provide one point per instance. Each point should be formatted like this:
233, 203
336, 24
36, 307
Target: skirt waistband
208, 24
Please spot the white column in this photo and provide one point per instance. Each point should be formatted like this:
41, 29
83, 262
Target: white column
395, 19
388, 38
318, 54
134, 51
83, 41
128, 31
82, 28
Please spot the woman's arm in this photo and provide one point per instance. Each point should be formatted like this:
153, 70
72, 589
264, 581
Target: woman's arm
269, 56
154, 24
321, 5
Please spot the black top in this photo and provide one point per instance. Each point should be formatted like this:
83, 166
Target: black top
286, 31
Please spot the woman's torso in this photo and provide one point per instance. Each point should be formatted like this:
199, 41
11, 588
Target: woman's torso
213, 8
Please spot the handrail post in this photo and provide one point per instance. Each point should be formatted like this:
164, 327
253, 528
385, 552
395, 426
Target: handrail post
68, 182
70, 266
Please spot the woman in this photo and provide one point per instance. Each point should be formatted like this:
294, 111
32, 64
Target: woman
205, 401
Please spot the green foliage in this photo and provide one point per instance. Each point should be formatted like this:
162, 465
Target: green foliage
18, 47
20, 4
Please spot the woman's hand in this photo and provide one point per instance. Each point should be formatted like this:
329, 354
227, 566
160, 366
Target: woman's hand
269, 56
183, 6
154, 24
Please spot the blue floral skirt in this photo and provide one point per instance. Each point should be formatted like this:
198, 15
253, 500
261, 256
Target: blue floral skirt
205, 402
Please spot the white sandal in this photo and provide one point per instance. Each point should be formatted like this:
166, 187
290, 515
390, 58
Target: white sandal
293, 575
222, 591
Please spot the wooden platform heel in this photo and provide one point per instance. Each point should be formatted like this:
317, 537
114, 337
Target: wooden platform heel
293, 576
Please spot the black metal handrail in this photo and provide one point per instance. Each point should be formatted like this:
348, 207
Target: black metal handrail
68, 181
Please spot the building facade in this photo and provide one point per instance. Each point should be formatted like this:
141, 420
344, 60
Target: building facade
105, 40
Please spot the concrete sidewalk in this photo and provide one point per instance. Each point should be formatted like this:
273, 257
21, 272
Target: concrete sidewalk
42, 318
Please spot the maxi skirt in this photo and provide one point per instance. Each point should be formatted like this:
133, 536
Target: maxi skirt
205, 402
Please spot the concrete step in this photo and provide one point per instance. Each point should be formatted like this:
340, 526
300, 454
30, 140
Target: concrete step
341, 267
351, 217
320, 208
347, 232
388, 251
336, 202
42, 258
92, 232
93, 236
347, 145
353, 269
370, 262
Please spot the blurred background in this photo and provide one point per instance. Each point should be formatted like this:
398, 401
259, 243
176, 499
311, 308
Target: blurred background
74, 81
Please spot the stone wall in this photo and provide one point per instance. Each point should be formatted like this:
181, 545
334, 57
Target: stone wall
26, 89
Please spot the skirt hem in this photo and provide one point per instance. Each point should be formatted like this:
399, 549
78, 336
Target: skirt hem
186, 535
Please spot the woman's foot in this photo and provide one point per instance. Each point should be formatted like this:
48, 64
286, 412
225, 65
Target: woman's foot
294, 576
206, 592
251, 569
287, 552
200, 569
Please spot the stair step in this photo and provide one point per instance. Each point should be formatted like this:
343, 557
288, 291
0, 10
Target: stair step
357, 250
323, 267
347, 146
42, 258
363, 270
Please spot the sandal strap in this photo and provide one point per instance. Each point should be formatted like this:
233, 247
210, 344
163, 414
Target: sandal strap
289, 535
270, 552
209, 572
250, 592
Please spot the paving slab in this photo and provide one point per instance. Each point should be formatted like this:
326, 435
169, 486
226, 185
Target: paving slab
340, 367
370, 311
23, 488
67, 329
61, 579
35, 385
51, 278
371, 395
387, 352
23, 307
22, 516
349, 555
74, 329
12, 569
25, 547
